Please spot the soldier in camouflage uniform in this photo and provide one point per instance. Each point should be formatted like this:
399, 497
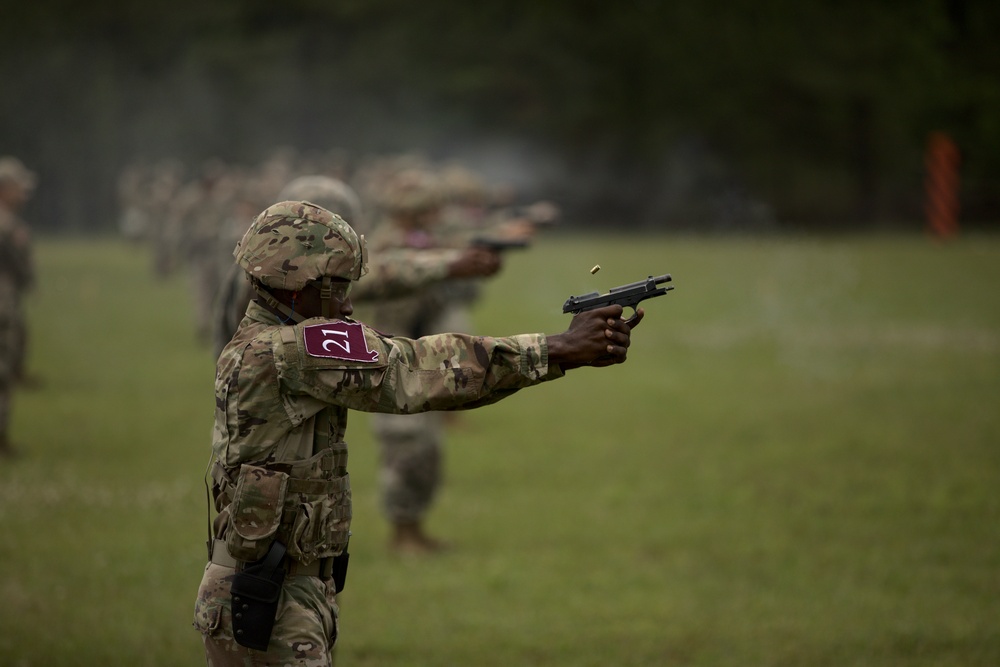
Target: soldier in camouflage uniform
16, 278
284, 385
411, 446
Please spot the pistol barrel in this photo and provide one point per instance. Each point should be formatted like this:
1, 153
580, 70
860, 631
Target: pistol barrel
627, 295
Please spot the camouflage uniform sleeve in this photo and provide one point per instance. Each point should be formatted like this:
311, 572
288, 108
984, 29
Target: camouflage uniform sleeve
440, 372
401, 271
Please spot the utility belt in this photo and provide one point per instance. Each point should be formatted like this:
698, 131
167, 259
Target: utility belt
324, 568
256, 587
306, 505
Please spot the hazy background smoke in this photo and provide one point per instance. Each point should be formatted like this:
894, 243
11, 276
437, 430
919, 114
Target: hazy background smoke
728, 114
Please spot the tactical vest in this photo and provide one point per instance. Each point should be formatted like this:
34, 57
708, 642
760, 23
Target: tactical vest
305, 505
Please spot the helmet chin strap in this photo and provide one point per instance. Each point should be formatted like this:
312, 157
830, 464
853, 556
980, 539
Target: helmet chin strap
273, 303
325, 295
325, 292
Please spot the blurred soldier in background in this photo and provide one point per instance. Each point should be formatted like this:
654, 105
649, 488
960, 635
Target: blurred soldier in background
412, 200
193, 223
164, 181
203, 210
463, 211
393, 273
474, 213
133, 182
16, 278
427, 210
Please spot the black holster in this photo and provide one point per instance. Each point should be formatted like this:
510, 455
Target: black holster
339, 570
255, 593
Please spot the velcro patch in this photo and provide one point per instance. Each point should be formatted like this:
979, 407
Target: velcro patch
338, 340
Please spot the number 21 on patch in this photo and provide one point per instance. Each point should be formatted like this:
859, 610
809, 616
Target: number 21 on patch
338, 340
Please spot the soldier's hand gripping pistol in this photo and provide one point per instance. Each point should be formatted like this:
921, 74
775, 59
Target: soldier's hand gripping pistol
627, 296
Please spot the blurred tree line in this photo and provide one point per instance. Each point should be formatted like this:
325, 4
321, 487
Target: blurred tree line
724, 113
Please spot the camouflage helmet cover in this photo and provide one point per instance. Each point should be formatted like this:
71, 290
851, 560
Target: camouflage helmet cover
412, 190
464, 185
293, 243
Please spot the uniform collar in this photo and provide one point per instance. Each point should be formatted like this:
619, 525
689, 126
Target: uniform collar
259, 313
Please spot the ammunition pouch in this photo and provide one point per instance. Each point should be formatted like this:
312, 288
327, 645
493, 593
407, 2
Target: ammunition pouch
255, 593
256, 510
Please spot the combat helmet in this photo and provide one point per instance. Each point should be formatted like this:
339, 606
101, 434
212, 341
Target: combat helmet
331, 193
412, 190
296, 243
13, 170
464, 186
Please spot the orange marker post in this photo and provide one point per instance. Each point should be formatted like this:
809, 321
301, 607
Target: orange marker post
941, 186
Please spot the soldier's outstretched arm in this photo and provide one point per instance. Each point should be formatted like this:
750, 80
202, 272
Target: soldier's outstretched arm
348, 364
401, 272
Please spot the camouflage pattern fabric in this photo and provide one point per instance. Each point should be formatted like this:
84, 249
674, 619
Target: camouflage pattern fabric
305, 628
255, 511
412, 189
411, 458
401, 272
232, 299
404, 313
281, 407
319, 243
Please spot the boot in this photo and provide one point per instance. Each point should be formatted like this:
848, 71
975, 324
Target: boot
408, 537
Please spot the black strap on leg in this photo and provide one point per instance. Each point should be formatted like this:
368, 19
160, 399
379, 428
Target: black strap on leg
255, 593
338, 570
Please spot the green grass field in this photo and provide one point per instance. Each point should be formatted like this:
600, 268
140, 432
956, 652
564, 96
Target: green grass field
799, 466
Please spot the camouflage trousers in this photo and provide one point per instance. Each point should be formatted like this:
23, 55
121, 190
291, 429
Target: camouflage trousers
410, 474
305, 628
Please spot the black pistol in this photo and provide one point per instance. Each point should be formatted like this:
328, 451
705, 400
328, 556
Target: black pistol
627, 296
499, 244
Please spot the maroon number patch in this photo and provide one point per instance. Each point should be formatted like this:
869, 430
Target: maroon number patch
338, 340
